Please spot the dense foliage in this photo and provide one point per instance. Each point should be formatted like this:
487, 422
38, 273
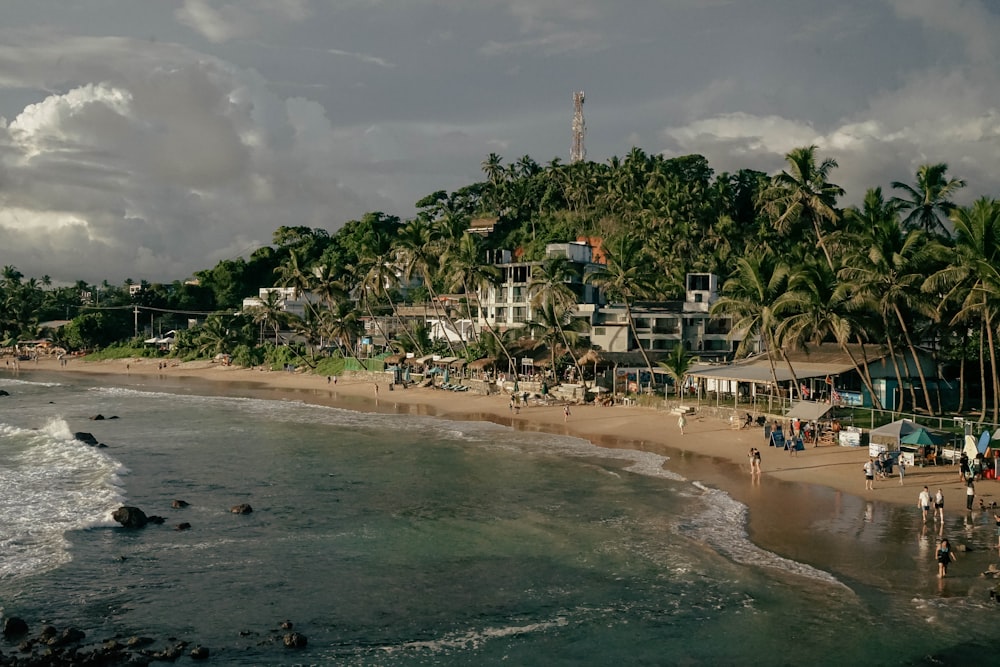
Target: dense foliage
899, 272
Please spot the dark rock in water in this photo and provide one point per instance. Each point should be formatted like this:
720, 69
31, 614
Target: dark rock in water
14, 627
87, 438
287, 625
48, 632
295, 640
67, 636
130, 517
179, 504
199, 653
242, 508
102, 446
97, 417
137, 642
183, 526
3, 393
113, 417
158, 520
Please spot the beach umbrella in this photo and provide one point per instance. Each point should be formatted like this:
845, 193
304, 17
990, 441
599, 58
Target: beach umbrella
920, 437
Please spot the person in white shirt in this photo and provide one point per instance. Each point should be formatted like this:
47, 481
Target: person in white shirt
924, 502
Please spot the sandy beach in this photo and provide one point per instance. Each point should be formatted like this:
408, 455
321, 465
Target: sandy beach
721, 451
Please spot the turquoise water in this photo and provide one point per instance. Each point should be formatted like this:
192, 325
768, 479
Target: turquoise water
407, 540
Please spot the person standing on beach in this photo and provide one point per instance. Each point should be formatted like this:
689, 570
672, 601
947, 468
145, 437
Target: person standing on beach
566, 412
869, 469
902, 469
939, 505
944, 557
924, 502
970, 494
681, 423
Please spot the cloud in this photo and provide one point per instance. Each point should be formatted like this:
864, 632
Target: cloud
163, 172
228, 21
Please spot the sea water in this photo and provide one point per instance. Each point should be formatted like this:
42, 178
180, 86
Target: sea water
392, 539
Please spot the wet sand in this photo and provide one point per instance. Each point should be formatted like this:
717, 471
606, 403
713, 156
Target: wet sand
824, 484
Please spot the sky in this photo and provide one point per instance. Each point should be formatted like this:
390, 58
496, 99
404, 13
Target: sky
149, 139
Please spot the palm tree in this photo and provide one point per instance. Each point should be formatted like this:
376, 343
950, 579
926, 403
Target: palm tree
420, 256
677, 365
974, 278
804, 195
341, 324
551, 326
748, 298
817, 307
549, 288
377, 272
887, 273
625, 277
929, 200
271, 310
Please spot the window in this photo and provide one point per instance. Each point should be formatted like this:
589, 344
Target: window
600, 331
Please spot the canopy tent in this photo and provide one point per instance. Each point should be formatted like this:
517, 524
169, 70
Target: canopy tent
921, 437
891, 434
808, 410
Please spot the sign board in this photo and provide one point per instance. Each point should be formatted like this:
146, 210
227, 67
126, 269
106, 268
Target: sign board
850, 438
527, 361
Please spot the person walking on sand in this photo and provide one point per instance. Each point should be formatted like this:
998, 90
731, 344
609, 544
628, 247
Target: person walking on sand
944, 557
924, 502
869, 469
970, 494
902, 469
566, 413
681, 423
939, 505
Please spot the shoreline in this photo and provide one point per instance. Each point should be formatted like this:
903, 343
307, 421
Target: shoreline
622, 427
835, 467
820, 487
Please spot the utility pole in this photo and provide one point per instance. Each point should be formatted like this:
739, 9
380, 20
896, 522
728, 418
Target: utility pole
579, 152
135, 312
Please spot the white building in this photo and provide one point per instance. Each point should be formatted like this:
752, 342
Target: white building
291, 300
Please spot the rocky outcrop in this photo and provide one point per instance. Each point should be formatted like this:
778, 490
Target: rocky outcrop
14, 627
179, 504
295, 640
86, 438
183, 526
242, 508
130, 517
3, 393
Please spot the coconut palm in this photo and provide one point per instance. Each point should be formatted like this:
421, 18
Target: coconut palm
803, 196
973, 278
748, 299
421, 256
887, 272
928, 202
271, 310
552, 326
549, 287
677, 364
625, 277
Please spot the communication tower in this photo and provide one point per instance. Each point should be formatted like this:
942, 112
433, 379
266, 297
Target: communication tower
579, 151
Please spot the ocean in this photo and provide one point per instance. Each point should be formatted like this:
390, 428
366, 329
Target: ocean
401, 539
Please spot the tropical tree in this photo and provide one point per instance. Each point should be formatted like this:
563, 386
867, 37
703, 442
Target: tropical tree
803, 196
549, 288
748, 299
271, 311
886, 273
552, 326
928, 203
973, 278
420, 257
625, 277
677, 364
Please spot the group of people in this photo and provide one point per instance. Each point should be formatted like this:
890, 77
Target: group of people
754, 456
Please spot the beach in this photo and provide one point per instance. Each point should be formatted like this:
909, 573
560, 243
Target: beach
426, 525
653, 430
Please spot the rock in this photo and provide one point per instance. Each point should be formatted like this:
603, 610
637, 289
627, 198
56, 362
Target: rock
130, 517
48, 632
179, 504
199, 653
295, 640
137, 642
102, 446
86, 438
287, 625
242, 508
113, 417
14, 627
3, 393
183, 526
158, 520
97, 417
67, 636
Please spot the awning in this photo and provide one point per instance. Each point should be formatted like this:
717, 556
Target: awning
394, 358
444, 361
421, 360
808, 410
458, 363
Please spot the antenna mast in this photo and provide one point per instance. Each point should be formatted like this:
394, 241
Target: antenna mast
579, 151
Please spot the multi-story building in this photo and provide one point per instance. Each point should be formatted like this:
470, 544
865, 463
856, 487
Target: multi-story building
662, 325
507, 304
292, 300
